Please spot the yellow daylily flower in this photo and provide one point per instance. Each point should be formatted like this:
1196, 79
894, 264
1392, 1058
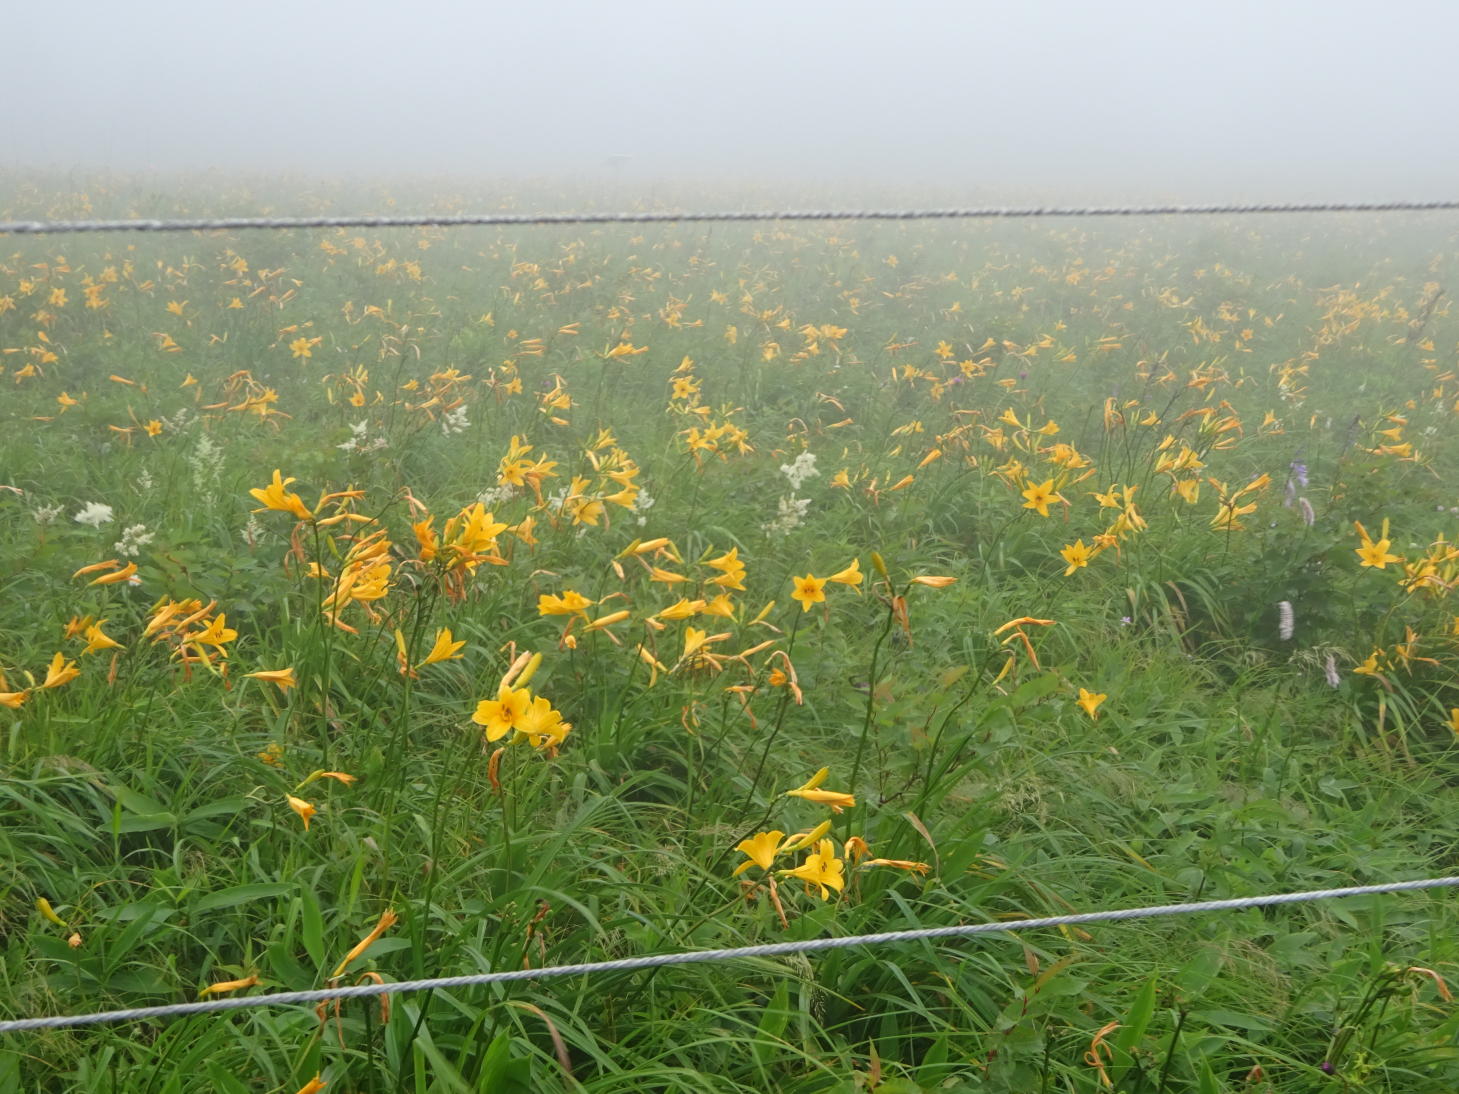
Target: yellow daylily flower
284, 678
444, 648
500, 716
821, 870
303, 808
1090, 701
388, 919
276, 496
97, 639
1040, 496
760, 850
808, 590
229, 985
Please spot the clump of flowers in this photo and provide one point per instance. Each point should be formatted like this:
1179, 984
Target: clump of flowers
517, 711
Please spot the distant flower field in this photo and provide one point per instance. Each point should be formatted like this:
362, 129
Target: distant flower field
418, 602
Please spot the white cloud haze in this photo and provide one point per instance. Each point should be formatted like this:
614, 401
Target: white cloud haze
1189, 99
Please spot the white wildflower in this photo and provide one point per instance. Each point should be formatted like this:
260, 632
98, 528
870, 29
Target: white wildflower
803, 468
134, 538
1286, 621
497, 495
206, 462
253, 530
95, 514
145, 481
1329, 669
455, 421
178, 421
46, 514
791, 514
357, 437
643, 501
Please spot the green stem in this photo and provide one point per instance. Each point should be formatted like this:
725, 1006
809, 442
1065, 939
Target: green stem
871, 682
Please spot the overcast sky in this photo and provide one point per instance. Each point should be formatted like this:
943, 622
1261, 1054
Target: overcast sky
1177, 97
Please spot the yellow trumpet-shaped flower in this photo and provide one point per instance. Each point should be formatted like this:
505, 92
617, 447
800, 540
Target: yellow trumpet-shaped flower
126, 573
934, 581
303, 808
215, 634
760, 850
821, 870
808, 590
541, 726
607, 620
97, 639
229, 985
834, 798
60, 671
851, 575
900, 864
500, 716
805, 839
569, 603
445, 648
811, 791
388, 919
720, 605
48, 913
276, 496
284, 677
1090, 701
1040, 496
1076, 555
1375, 554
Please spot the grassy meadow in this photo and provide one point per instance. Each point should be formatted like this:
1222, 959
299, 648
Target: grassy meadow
398, 603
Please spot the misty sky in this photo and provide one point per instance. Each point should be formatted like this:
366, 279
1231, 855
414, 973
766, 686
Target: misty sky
1241, 99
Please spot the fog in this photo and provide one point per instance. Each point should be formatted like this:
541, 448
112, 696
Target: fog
1185, 99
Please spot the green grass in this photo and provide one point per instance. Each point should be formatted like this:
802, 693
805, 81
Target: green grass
135, 801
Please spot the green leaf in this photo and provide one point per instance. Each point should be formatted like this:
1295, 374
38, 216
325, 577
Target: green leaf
147, 822
1138, 1018
772, 1024
241, 894
311, 929
1233, 1019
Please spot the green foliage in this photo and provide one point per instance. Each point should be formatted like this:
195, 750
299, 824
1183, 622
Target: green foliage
147, 801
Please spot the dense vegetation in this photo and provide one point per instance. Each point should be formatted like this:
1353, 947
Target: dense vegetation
496, 597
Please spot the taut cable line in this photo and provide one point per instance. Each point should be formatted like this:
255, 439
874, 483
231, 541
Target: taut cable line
691, 957
446, 220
